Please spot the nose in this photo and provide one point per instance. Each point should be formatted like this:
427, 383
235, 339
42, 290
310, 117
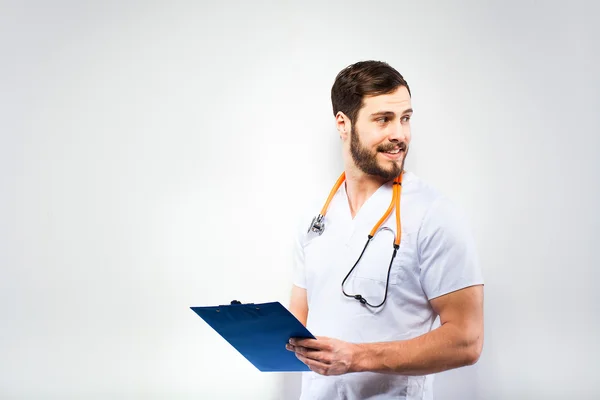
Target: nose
399, 133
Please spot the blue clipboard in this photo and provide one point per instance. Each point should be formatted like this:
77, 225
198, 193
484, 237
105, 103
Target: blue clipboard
259, 332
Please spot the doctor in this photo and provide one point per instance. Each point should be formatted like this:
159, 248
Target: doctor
376, 337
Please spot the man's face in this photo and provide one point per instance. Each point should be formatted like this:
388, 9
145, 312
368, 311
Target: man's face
380, 136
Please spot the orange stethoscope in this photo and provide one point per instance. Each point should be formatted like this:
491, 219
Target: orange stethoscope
318, 226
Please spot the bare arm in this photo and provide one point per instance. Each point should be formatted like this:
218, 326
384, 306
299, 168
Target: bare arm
456, 343
299, 304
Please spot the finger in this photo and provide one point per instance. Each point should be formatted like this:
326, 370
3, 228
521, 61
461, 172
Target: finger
312, 343
316, 355
302, 342
314, 366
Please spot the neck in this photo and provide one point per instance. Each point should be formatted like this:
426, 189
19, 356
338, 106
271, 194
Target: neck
359, 187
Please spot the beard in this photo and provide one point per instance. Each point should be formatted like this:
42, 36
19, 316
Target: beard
366, 160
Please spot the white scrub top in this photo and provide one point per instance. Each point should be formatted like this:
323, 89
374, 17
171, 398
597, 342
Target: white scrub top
436, 256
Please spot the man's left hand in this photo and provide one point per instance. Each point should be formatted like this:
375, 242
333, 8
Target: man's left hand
325, 356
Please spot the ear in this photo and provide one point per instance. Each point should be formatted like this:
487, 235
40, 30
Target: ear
343, 125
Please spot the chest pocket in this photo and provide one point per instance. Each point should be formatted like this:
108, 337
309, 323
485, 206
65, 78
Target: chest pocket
370, 275
375, 261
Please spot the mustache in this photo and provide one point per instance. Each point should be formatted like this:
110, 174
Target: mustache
392, 146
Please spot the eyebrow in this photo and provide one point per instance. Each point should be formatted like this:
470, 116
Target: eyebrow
382, 113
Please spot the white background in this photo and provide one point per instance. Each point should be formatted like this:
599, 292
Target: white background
157, 155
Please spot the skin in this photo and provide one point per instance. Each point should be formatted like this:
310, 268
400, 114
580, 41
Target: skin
459, 340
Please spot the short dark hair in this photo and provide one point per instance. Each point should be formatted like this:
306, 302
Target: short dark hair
364, 78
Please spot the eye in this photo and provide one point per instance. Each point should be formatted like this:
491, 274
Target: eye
406, 118
383, 120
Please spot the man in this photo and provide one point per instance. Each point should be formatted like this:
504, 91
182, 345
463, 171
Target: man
362, 350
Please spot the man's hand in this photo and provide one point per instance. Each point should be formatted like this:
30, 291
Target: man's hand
325, 356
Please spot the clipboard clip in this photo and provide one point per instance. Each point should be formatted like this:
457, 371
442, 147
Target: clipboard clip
235, 303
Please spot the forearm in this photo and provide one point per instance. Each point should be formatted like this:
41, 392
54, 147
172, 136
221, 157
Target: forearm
442, 349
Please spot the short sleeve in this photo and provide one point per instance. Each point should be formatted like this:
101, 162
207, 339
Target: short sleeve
299, 273
447, 253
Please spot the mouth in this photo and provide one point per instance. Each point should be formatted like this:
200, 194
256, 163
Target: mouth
394, 153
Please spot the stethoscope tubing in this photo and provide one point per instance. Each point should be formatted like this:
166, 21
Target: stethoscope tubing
318, 226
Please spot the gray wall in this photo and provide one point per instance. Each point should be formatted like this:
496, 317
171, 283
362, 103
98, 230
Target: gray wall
157, 156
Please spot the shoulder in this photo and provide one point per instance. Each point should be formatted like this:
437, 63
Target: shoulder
417, 199
432, 209
419, 191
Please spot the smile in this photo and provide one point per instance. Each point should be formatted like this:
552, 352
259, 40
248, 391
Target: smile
393, 154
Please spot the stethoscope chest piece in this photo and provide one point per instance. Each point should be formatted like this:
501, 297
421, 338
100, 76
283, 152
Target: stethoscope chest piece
318, 224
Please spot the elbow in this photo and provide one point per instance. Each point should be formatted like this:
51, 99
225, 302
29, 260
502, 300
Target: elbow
472, 356
469, 344
472, 351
